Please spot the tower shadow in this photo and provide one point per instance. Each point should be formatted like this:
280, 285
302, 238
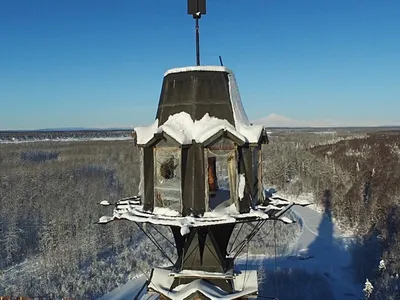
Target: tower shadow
324, 234
320, 261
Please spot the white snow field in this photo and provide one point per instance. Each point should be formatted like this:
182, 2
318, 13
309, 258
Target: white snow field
320, 249
134, 288
317, 265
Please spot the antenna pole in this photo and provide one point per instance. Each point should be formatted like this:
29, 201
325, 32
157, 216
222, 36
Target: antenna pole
197, 41
197, 8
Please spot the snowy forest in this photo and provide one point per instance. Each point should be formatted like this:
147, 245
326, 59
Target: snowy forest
49, 195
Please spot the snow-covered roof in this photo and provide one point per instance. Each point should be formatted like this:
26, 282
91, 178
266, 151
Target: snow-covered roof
132, 210
198, 68
245, 283
184, 129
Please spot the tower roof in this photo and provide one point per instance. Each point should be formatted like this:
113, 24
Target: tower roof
201, 89
203, 95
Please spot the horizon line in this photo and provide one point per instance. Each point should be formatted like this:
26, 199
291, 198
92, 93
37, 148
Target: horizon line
133, 127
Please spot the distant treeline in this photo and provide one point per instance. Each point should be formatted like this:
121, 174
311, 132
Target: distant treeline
34, 298
61, 134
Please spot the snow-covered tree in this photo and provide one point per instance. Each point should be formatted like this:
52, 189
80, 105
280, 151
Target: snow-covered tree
382, 266
368, 289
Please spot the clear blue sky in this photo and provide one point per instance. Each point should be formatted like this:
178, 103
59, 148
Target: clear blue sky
71, 63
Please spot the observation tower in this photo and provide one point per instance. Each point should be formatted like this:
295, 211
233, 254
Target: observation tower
201, 176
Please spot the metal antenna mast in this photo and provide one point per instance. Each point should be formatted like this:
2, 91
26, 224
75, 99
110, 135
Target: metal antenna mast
196, 8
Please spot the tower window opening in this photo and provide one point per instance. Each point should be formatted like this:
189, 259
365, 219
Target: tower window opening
167, 177
221, 173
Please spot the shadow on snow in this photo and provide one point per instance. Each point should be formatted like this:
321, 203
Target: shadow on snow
319, 267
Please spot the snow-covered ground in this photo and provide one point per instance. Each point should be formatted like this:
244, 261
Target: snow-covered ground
320, 250
134, 288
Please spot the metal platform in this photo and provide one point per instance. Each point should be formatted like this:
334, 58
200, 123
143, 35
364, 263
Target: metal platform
131, 209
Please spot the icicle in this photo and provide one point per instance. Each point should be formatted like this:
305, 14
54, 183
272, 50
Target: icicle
241, 186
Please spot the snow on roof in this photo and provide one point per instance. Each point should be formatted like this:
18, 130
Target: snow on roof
198, 68
136, 213
183, 129
201, 274
221, 215
244, 284
146, 133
